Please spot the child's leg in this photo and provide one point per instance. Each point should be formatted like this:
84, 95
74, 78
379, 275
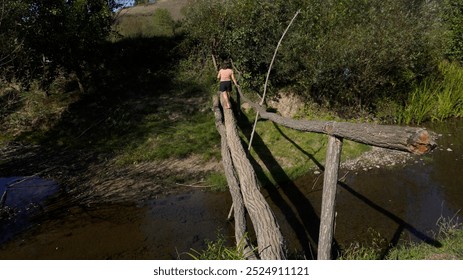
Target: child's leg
225, 96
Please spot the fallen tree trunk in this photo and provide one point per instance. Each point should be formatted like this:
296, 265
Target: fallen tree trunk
404, 138
270, 241
233, 184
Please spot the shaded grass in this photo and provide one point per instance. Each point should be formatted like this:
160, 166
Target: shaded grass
195, 135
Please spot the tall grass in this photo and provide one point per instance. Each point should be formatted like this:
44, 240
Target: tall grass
419, 106
218, 250
437, 98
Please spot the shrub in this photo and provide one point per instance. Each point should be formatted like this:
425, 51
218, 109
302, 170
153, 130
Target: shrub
341, 53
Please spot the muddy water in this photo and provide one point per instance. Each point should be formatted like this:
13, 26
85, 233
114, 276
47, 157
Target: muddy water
162, 229
394, 204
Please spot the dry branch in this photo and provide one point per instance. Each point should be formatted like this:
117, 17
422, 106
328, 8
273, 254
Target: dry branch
403, 138
268, 75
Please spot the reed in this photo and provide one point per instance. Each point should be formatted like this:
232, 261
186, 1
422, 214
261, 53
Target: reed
218, 250
437, 98
419, 105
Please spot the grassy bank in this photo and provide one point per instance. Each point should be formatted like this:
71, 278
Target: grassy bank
436, 98
449, 246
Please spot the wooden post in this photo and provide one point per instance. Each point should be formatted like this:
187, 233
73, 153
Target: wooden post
333, 156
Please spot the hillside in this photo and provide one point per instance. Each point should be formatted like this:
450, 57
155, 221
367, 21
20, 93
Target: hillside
173, 6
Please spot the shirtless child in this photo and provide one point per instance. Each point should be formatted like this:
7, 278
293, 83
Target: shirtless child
226, 76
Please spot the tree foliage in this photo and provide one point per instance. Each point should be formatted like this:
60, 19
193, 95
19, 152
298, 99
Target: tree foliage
453, 15
338, 52
54, 34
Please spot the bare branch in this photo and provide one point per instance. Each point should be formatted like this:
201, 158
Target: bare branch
268, 75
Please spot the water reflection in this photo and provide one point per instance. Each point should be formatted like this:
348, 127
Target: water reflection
20, 199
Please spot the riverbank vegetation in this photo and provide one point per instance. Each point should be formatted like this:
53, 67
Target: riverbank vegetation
75, 75
449, 236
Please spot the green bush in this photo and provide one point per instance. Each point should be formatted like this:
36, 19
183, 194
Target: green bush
453, 15
341, 53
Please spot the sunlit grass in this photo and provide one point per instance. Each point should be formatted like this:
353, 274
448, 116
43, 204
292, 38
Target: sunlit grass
158, 24
436, 98
449, 235
219, 250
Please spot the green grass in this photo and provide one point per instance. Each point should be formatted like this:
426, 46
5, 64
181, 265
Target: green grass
31, 113
436, 98
287, 153
449, 235
217, 181
195, 135
158, 24
219, 250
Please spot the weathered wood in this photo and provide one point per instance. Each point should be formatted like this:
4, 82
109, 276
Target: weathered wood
404, 138
270, 241
333, 156
233, 184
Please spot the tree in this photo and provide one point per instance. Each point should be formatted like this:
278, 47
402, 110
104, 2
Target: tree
11, 43
342, 53
453, 15
57, 34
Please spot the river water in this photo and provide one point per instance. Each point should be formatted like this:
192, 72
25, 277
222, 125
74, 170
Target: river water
392, 204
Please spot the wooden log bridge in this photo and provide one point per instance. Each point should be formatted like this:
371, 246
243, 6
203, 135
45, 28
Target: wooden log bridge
244, 186
245, 189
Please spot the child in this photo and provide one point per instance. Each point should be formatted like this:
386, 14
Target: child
226, 76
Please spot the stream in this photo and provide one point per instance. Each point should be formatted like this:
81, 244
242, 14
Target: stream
394, 204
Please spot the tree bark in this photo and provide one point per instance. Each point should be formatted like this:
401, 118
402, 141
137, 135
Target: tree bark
333, 156
270, 241
404, 138
232, 180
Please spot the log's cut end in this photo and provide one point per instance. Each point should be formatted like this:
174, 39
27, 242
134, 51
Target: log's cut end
422, 142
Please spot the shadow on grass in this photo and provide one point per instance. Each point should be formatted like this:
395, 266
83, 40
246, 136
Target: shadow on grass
304, 219
131, 94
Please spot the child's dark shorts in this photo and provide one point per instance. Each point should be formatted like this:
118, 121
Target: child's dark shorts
226, 86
